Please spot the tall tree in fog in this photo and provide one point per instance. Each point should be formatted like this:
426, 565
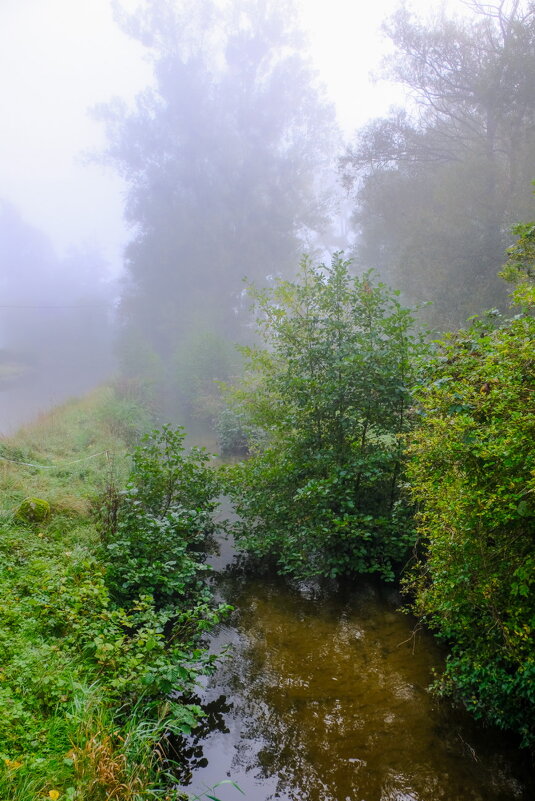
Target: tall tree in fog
222, 157
438, 187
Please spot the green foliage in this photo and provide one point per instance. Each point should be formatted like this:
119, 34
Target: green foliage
472, 471
164, 477
231, 433
519, 268
126, 417
163, 519
202, 359
88, 666
322, 492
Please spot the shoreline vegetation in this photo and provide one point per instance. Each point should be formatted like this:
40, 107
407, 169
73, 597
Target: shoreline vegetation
94, 667
376, 452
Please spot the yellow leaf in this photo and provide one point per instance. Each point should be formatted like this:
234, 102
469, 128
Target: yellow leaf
53, 794
13, 764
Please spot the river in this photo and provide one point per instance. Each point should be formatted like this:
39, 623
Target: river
323, 696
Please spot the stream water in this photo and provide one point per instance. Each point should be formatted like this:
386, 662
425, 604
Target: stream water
323, 697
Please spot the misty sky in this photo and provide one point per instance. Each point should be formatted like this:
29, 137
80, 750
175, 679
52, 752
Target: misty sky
60, 57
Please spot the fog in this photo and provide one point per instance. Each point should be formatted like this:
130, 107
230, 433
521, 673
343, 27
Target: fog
154, 154
56, 324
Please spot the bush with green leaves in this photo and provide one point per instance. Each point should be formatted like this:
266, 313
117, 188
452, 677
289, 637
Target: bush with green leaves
232, 434
472, 472
162, 521
97, 669
519, 269
327, 405
65, 644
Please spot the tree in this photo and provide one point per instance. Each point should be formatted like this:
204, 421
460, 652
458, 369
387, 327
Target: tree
327, 405
440, 185
222, 157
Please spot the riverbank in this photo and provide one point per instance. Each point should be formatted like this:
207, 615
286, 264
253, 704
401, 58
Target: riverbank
85, 680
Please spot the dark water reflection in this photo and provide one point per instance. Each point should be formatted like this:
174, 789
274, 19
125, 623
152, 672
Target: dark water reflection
325, 700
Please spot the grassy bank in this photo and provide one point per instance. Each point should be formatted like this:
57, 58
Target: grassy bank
85, 674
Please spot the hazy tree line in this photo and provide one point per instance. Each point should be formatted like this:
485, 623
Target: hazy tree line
230, 159
439, 185
227, 158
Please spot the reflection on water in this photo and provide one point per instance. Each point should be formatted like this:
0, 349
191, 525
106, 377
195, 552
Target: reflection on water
325, 700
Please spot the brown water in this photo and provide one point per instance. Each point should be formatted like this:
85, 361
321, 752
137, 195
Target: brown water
323, 697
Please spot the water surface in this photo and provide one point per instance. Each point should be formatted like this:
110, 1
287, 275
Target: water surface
323, 697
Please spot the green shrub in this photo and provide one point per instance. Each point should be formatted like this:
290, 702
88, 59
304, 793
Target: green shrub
473, 473
164, 516
322, 492
232, 436
127, 417
88, 665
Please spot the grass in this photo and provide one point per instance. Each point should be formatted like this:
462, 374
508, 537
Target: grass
76, 722
45, 681
77, 430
